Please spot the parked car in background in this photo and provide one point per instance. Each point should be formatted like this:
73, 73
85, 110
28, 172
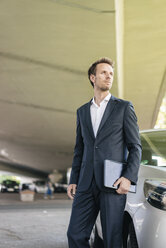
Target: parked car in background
145, 211
60, 188
27, 186
41, 186
9, 186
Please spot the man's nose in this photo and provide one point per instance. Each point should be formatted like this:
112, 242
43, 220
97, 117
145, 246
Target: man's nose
108, 75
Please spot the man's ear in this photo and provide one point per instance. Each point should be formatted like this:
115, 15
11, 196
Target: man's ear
92, 78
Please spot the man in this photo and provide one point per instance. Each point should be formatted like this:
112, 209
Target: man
106, 129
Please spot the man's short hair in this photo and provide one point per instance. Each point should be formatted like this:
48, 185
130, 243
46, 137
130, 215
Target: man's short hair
92, 68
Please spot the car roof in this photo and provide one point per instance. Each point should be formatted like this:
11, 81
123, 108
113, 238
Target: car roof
152, 130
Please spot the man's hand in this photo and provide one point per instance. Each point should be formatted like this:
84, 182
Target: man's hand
71, 190
124, 185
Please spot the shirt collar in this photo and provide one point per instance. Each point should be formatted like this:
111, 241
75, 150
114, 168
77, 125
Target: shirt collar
106, 99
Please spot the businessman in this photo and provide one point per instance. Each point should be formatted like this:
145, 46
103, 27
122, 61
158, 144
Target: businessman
106, 129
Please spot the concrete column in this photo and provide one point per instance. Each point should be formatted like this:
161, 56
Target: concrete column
119, 7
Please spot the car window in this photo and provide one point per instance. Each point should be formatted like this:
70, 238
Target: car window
154, 148
40, 183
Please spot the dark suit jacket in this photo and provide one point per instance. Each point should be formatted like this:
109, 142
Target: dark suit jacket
117, 139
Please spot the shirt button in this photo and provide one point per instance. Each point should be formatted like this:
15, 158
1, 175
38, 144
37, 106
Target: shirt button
97, 147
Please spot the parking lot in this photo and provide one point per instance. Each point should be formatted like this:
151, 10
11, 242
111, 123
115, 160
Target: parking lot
42, 223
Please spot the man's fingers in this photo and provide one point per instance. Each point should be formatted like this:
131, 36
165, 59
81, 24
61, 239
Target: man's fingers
117, 182
124, 185
71, 190
74, 189
121, 191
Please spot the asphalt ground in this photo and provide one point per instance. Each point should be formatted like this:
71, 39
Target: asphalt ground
38, 224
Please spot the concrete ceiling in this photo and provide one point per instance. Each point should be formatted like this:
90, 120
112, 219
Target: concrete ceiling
145, 57
46, 47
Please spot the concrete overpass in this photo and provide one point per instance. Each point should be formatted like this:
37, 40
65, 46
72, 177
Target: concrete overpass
46, 47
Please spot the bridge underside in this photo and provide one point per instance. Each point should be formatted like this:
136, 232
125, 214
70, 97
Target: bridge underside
46, 47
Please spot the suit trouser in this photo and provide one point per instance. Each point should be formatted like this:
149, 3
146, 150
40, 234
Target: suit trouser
86, 206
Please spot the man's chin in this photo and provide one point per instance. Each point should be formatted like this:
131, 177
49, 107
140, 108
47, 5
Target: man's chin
105, 88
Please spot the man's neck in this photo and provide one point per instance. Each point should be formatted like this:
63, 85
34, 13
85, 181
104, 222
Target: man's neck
99, 96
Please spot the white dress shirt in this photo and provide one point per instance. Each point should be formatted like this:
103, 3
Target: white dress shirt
97, 112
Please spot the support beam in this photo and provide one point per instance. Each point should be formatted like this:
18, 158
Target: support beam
160, 97
119, 45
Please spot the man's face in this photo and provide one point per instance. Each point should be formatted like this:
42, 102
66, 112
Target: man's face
104, 77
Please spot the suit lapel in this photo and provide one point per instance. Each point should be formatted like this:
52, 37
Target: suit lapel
107, 113
88, 120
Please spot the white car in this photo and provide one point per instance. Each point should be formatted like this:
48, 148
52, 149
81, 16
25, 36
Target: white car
145, 211
41, 186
